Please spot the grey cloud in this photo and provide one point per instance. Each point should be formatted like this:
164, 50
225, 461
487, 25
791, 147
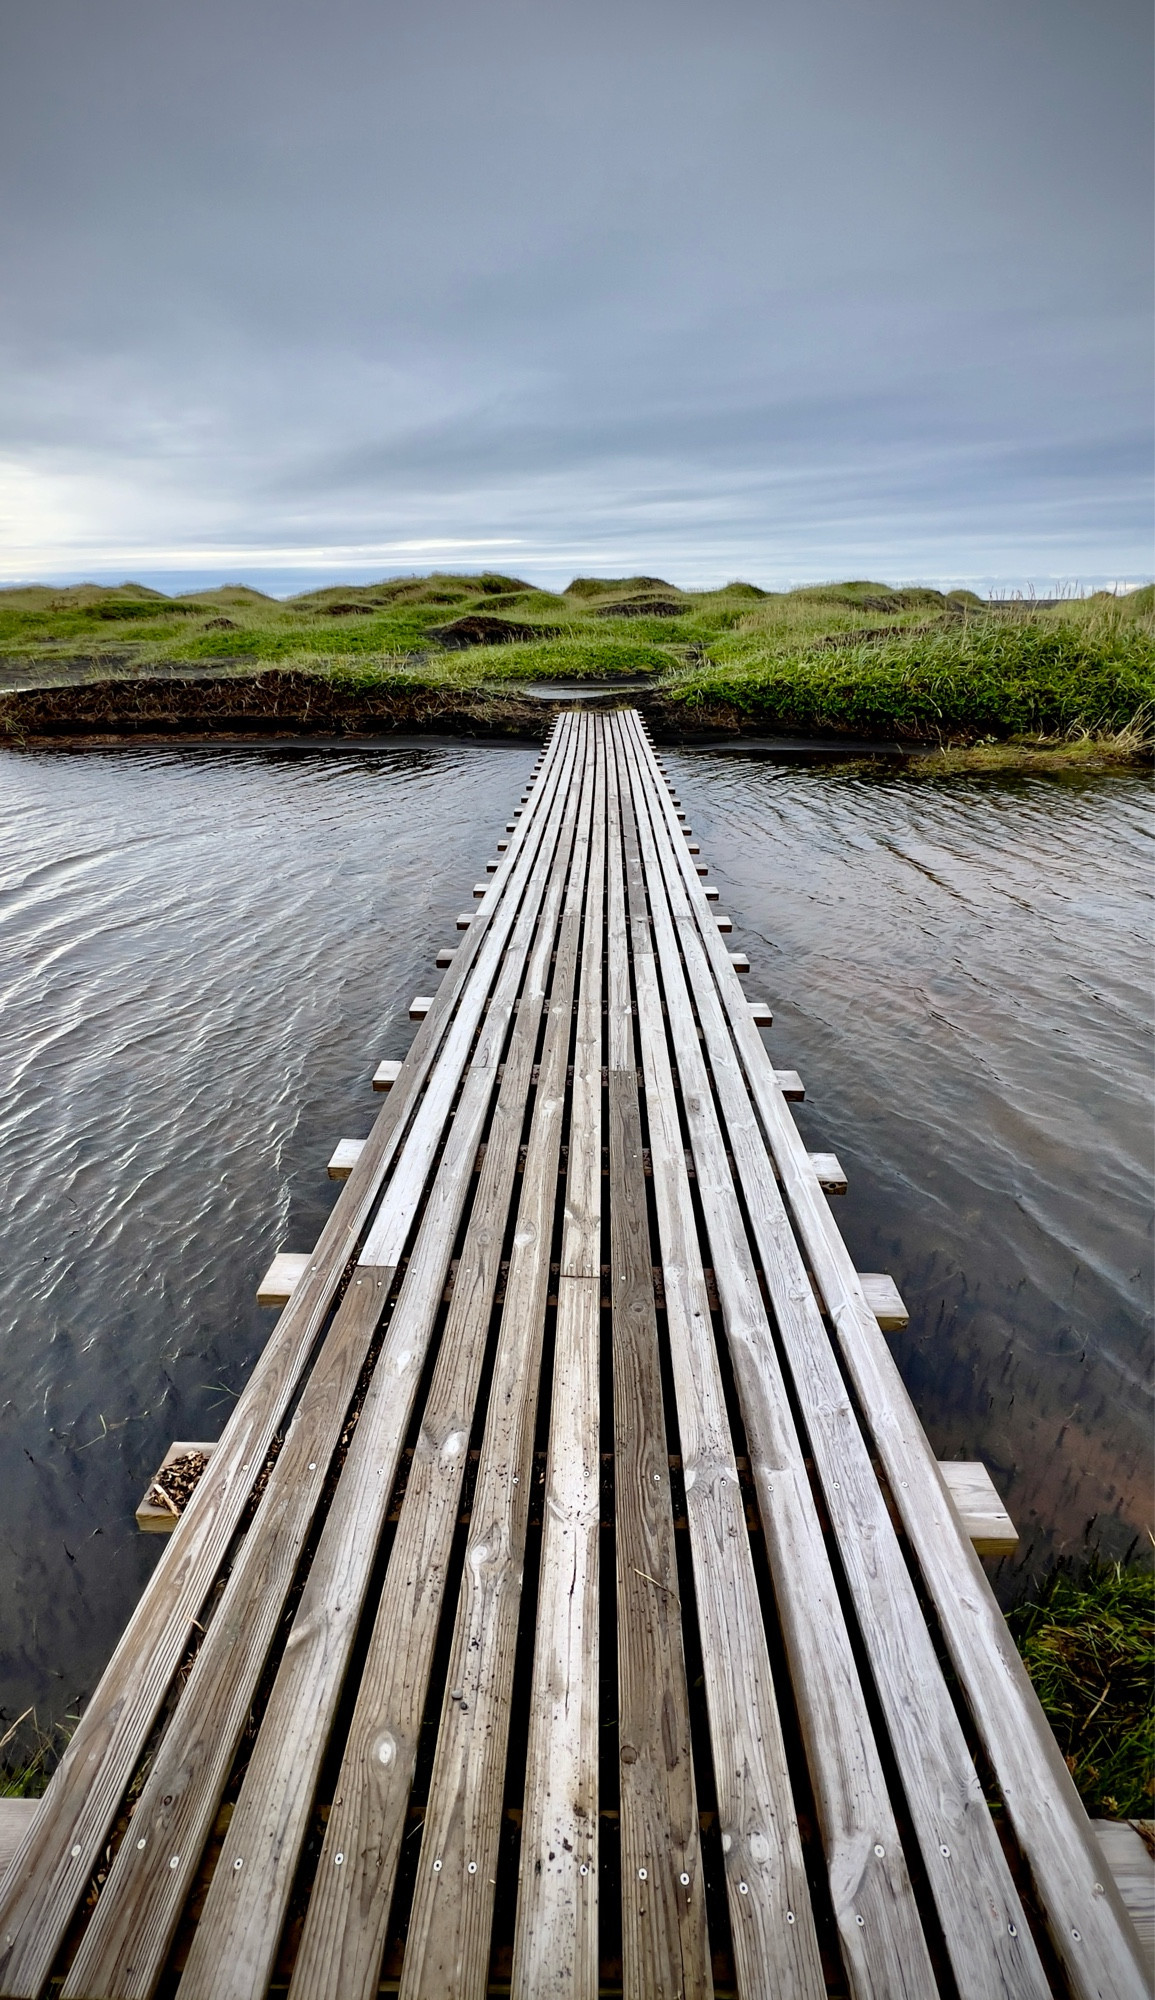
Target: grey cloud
814, 277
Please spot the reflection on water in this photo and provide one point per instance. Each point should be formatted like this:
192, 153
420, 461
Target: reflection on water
204, 953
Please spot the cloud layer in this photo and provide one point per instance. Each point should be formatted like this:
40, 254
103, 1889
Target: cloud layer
786, 290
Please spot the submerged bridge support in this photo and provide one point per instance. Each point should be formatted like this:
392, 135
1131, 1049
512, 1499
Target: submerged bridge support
573, 1603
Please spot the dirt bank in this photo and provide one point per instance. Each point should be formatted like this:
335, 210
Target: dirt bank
268, 706
284, 705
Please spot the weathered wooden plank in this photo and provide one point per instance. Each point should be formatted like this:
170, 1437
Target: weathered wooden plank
125, 1941
236, 1938
885, 1300
555, 1950
829, 1172
984, 1928
665, 1944
447, 1949
344, 1934
1087, 1923
283, 1276
772, 1923
385, 1238
52, 1870
153, 1518
385, 1075
344, 1158
124, 1945
16, 1817
235, 1944
556, 1934
883, 1945
1129, 1859
985, 1521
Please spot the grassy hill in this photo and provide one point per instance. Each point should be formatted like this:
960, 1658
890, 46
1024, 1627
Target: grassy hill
856, 658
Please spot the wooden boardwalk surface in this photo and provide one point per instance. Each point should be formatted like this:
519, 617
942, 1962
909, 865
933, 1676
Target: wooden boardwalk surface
573, 1604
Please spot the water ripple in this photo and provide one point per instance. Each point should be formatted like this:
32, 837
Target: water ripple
960, 970
203, 955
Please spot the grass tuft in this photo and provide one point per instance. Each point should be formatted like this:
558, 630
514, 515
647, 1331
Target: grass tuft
28, 1759
1087, 1643
978, 678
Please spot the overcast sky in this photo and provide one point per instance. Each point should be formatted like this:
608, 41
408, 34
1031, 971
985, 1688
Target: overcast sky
781, 289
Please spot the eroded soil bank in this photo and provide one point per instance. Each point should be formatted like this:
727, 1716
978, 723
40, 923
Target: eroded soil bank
285, 705
265, 706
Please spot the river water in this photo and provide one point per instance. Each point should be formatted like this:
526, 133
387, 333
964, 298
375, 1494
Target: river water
205, 952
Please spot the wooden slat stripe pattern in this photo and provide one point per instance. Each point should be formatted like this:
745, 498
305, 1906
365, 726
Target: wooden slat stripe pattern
51, 1874
1086, 1921
569, 1639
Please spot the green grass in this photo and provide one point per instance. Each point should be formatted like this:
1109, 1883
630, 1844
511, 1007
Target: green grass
24, 1781
983, 677
1087, 1642
859, 658
27, 1761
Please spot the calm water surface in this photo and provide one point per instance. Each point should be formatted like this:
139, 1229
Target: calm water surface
204, 953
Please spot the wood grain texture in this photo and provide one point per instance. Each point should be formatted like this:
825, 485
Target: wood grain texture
883, 1945
50, 1873
1129, 1858
236, 1939
1088, 1926
772, 1923
345, 1929
556, 1936
16, 1817
596, 914
985, 1521
127, 1938
665, 1943
447, 1948
391, 1225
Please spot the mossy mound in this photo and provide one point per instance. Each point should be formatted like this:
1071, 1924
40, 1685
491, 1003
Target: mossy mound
853, 658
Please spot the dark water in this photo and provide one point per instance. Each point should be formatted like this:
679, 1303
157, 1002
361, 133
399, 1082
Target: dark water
203, 954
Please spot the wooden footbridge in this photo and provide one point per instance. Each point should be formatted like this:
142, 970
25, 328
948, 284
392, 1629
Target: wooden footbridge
573, 1604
